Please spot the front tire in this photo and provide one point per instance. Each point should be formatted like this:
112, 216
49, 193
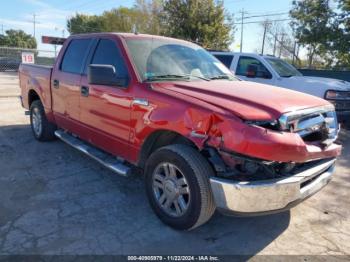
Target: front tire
178, 188
42, 129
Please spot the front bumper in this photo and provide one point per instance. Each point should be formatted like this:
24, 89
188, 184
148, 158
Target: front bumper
270, 196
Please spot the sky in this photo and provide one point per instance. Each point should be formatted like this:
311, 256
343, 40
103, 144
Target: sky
51, 17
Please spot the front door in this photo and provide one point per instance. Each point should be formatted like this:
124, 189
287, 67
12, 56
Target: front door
105, 110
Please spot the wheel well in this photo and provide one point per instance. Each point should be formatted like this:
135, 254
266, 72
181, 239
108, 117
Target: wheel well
32, 96
159, 139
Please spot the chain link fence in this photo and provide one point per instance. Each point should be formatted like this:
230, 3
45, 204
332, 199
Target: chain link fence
11, 57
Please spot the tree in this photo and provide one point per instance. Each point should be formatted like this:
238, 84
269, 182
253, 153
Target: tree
2, 40
144, 15
81, 23
313, 25
342, 35
120, 19
124, 19
344, 6
17, 38
202, 21
151, 13
277, 40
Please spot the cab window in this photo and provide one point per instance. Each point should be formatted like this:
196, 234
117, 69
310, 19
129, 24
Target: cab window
74, 57
245, 61
225, 59
107, 53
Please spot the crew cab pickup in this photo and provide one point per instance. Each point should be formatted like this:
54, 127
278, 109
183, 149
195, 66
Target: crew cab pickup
271, 70
167, 109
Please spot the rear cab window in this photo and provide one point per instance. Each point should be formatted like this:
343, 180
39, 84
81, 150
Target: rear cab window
225, 59
75, 55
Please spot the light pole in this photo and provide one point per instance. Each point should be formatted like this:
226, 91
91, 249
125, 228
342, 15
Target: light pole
266, 23
34, 24
242, 23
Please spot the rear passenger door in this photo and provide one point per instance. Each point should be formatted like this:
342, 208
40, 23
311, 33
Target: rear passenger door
66, 83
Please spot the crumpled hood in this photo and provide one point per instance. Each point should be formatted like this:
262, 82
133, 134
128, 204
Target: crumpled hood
247, 100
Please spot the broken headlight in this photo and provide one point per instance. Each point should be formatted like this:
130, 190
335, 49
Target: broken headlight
268, 124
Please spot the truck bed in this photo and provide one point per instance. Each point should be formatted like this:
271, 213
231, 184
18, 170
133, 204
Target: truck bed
38, 79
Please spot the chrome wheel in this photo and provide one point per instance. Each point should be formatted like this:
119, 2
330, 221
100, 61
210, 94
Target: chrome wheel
37, 121
171, 189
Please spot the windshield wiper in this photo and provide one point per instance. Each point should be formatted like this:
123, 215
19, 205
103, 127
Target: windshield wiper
174, 76
199, 77
218, 77
168, 76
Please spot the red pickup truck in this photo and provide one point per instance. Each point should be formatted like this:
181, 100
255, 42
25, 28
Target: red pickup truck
168, 109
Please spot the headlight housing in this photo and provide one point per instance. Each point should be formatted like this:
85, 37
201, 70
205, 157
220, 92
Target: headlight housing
337, 95
273, 124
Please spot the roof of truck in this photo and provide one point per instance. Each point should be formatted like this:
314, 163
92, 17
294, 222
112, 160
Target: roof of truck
129, 36
215, 52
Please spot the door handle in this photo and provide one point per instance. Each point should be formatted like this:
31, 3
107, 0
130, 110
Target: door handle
84, 91
56, 83
140, 101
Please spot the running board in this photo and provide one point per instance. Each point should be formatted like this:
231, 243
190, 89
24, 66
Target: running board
103, 158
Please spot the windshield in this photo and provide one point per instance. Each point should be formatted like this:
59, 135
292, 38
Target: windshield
283, 68
166, 59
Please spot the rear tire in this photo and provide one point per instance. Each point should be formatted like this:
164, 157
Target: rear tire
178, 187
42, 129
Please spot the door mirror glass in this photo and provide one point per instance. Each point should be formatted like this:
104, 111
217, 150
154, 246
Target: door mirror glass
105, 75
252, 71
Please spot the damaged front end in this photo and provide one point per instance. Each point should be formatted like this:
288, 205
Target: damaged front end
269, 166
247, 186
264, 196
243, 168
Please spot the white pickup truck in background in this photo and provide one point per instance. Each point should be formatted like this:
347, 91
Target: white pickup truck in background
271, 70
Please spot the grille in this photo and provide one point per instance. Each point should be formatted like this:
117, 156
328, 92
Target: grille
313, 125
341, 105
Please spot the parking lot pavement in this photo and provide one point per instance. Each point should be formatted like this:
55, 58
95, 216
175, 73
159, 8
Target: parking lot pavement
54, 200
9, 84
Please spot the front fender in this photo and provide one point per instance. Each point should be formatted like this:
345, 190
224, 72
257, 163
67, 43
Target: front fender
194, 123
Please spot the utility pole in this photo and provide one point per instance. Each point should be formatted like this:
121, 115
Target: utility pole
294, 52
34, 24
297, 51
281, 44
266, 24
275, 43
2, 29
242, 23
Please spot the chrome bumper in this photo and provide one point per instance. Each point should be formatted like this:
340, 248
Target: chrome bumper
270, 196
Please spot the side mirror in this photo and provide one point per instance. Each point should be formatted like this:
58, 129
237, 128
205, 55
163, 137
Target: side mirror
252, 71
105, 75
267, 75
